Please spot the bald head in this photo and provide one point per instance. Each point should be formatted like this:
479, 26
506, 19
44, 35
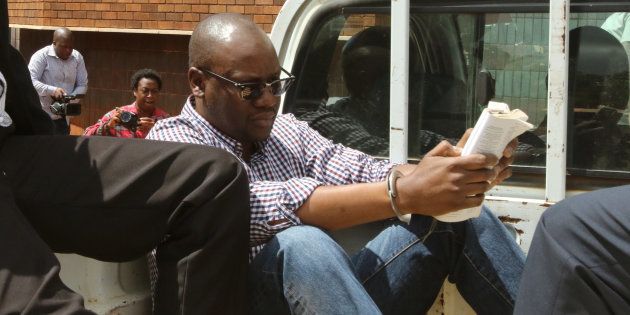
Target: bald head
63, 43
219, 34
62, 33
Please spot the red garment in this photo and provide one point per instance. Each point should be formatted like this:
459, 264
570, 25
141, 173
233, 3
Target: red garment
101, 129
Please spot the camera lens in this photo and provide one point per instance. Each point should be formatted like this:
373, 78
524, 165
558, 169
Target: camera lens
125, 117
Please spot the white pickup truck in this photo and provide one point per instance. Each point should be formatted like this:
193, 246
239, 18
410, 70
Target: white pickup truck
423, 72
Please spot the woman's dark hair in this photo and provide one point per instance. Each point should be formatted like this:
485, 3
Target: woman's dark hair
145, 74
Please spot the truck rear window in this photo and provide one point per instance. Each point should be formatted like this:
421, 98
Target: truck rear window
458, 62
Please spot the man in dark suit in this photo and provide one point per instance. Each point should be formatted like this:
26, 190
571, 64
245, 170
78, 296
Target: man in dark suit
114, 200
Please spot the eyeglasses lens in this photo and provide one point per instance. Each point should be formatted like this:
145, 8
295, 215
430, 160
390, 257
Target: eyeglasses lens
255, 91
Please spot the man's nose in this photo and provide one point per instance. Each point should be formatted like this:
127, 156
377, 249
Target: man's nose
267, 99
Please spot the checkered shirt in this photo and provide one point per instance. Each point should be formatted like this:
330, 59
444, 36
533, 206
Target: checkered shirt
283, 172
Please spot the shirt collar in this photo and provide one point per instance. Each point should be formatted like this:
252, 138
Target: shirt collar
231, 143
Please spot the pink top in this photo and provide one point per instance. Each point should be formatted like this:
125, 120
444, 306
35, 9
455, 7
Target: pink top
101, 129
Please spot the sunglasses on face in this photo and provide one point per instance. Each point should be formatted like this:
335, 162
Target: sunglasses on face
252, 91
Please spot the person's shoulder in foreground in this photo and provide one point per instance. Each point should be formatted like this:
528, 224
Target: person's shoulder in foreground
579, 258
134, 192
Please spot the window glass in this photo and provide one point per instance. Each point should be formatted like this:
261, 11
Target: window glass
458, 62
516, 54
515, 57
598, 92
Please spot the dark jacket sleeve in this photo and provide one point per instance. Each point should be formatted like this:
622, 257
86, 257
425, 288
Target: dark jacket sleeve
22, 101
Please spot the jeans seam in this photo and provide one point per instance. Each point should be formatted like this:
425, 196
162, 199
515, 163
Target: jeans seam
487, 280
401, 251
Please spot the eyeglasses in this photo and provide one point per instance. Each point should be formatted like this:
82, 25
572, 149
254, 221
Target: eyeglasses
254, 90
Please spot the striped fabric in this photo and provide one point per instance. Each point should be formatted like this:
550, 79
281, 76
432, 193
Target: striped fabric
284, 171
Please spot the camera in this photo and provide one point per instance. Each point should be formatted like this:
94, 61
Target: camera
63, 107
129, 120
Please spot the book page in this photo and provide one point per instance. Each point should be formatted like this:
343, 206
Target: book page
494, 131
491, 134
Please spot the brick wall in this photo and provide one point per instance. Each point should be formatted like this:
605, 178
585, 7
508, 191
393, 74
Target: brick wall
136, 14
111, 59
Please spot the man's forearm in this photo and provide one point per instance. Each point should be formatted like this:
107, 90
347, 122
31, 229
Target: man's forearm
43, 89
338, 207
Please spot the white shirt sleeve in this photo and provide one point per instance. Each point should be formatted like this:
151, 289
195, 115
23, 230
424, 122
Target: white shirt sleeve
36, 67
5, 120
82, 76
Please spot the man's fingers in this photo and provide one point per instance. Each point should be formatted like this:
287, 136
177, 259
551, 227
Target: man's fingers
510, 148
505, 162
476, 188
477, 161
444, 148
503, 175
462, 141
481, 175
473, 201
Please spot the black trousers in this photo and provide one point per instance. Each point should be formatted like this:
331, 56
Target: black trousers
579, 260
61, 126
114, 200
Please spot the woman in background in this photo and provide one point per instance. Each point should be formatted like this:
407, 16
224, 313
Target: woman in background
137, 119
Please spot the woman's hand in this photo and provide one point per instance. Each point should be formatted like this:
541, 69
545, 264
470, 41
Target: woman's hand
115, 120
145, 123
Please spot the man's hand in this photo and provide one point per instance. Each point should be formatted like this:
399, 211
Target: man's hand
58, 94
145, 123
502, 168
444, 181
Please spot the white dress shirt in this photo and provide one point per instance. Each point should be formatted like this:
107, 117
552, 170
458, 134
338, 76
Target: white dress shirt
5, 120
50, 72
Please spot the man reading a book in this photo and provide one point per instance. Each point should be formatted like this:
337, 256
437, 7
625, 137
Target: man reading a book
303, 185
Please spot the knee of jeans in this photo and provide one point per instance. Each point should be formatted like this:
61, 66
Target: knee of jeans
309, 243
486, 216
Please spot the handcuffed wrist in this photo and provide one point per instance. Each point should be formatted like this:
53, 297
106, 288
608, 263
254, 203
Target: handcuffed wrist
392, 192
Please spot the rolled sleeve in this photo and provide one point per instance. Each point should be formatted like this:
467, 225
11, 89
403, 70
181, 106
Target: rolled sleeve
336, 164
100, 127
273, 206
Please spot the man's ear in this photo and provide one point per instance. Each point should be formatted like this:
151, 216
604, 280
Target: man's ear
196, 81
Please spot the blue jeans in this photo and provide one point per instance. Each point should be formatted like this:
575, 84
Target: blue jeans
303, 271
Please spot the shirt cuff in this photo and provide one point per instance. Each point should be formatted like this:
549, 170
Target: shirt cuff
50, 90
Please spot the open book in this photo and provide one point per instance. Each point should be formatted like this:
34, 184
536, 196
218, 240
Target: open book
496, 127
